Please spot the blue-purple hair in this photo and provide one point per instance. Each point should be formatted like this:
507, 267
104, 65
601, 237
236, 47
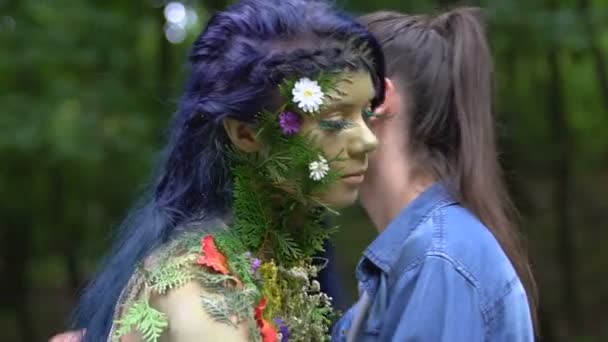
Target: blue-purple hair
236, 65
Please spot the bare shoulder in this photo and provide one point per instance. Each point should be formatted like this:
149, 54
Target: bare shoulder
188, 320
168, 299
184, 317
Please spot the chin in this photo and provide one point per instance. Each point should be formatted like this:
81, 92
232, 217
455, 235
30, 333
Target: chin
340, 200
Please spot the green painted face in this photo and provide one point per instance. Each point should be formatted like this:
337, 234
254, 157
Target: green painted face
341, 129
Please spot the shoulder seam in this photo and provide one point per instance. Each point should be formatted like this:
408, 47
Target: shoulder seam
469, 278
508, 288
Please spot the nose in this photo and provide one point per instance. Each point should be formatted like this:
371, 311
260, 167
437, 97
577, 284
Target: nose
363, 142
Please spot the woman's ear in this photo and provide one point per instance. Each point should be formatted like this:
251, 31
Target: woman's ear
242, 135
391, 100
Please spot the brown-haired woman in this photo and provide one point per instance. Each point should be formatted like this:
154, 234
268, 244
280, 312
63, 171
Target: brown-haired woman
448, 264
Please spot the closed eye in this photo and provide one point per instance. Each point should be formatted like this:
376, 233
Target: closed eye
335, 125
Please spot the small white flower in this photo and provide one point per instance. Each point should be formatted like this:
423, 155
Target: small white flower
308, 95
318, 169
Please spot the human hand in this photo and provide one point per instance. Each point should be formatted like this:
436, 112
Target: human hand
70, 336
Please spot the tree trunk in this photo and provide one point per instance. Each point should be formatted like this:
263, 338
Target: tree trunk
15, 238
68, 235
547, 330
14, 287
599, 58
562, 180
75, 279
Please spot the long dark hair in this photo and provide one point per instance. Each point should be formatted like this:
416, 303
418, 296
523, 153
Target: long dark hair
444, 66
236, 64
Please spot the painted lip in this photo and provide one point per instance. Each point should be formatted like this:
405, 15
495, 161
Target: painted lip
354, 177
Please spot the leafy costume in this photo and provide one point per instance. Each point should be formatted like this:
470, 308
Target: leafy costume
257, 268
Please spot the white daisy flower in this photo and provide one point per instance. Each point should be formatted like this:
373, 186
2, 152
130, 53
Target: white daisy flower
307, 94
318, 169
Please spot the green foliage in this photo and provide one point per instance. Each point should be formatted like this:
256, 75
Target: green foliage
227, 300
214, 282
244, 300
279, 172
285, 244
276, 217
255, 214
218, 309
236, 251
328, 81
172, 275
307, 312
86, 87
147, 320
273, 189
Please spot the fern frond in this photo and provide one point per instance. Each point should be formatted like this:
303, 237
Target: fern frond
241, 302
173, 273
218, 310
147, 320
170, 279
215, 282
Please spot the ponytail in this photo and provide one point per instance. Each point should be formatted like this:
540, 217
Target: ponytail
471, 74
479, 171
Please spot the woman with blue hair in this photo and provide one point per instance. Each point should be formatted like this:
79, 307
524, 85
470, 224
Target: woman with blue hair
270, 134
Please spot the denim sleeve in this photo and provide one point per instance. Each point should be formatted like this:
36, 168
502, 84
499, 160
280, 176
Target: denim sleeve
440, 305
512, 321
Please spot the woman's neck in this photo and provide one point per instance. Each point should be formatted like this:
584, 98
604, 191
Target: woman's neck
388, 195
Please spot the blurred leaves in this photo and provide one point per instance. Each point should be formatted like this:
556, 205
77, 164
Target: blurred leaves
87, 89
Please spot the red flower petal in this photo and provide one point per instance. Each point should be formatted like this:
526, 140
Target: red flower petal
268, 331
212, 257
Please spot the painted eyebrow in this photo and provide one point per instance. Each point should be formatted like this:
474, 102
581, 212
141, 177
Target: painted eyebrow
341, 104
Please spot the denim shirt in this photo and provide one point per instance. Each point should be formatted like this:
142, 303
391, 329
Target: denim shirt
436, 273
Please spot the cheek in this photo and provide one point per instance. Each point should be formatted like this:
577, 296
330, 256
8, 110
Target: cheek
331, 143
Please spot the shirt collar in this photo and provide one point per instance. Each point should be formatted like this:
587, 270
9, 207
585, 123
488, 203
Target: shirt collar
384, 251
